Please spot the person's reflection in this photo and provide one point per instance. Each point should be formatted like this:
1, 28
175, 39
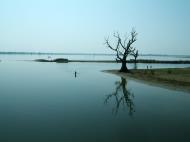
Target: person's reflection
135, 66
121, 96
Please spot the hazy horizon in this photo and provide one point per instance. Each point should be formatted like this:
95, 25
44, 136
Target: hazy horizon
81, 53
79, 26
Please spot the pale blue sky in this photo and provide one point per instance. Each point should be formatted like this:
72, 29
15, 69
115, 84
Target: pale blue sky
80, 26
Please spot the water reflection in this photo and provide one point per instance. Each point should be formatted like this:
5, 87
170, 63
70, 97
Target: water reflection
135, 66
122, 97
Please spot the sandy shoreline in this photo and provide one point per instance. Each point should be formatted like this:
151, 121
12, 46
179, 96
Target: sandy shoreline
176, 79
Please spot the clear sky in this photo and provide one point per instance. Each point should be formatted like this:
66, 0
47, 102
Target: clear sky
81, 25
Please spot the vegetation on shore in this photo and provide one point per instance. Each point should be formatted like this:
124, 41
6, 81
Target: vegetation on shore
176, 77
160, 61
58, 60
112, 61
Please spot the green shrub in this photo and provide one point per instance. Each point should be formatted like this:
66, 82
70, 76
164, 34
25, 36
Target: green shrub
145, 72
152, 72
169, 71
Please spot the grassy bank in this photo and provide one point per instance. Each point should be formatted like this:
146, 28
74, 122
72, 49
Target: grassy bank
178, 78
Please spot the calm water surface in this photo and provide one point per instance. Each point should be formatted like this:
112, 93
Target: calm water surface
12, 57
45, 102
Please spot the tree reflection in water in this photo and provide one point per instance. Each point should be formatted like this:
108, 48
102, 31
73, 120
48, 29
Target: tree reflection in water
135, 66
122, 97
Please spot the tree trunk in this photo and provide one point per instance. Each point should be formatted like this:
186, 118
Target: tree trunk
124, 67
135, 60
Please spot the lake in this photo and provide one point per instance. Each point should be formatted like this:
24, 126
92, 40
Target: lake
13, 57
46, 102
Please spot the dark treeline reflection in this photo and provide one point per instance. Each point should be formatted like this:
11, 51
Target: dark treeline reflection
122, 97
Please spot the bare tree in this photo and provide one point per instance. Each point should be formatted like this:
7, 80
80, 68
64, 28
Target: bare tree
123, 48
135, 55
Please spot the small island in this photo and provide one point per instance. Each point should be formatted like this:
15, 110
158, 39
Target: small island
58, 60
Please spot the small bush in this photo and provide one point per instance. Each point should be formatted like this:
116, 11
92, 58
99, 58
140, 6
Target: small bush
169, 71
145, 72
152, 72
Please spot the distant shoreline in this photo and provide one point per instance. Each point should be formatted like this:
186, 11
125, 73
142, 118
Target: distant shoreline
174, 78
138, 61
112, 61
97, 54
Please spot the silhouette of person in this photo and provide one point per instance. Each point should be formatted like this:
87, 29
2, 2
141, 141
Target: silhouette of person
75, 74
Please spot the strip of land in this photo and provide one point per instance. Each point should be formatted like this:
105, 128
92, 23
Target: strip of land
58, 60
177, 78
138, 61
62, 60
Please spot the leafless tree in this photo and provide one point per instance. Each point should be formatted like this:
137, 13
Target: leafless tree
123, 48
135, 55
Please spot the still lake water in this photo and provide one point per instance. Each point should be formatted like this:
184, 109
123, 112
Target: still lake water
13, 57
45, 102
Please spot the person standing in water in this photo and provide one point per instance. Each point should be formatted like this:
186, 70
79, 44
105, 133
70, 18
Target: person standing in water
75, 74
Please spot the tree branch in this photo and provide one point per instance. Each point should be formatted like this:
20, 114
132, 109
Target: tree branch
123, 48
118, 53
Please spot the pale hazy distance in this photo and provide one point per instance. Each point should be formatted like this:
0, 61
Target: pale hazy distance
80, 26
